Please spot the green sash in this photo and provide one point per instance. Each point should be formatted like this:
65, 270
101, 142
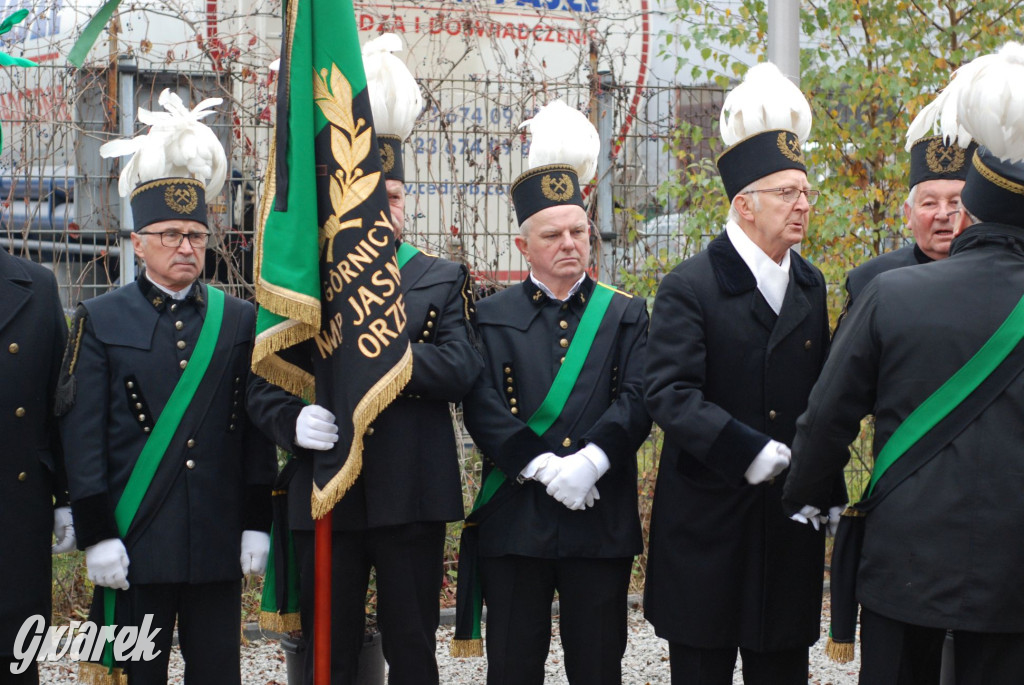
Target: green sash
469, 599
161, 436
404, 253
949, 397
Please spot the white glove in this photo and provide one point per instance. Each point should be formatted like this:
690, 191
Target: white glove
772, 460
255, 550
592, 497
63, 530
315, 428
542, 468
809, 514
833, 519
107, 564
574, 481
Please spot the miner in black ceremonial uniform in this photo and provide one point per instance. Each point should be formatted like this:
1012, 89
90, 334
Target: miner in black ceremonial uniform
738, 335
942, 533
558, 415
169, 480
33, 485
394, 517
937, 173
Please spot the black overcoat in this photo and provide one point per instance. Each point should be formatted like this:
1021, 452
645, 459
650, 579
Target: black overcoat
857, 278
32, 335
525, 335
410, 458
726, 566
945, 549
127, 351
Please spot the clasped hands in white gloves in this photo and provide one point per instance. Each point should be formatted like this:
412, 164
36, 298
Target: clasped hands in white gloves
772, 460
570, 479
63, 530
107, 564
255, 550
315, 428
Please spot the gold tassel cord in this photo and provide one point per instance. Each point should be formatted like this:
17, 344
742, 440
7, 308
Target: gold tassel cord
280, 623
369, 408
90, 673
840, 652
461, 649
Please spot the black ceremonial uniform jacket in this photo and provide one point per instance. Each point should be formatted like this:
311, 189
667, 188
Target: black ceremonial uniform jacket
946, 547
525, 335
128, 349
32, 335
410, 459
860, 276
726, 566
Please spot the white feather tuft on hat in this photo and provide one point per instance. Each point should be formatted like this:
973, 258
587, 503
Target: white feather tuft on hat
178, 145
984, 101
395, 97
766, 100
563, 135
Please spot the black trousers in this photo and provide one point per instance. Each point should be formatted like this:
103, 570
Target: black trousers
695, 666
209, 630
409, 568
592, 621
890, 649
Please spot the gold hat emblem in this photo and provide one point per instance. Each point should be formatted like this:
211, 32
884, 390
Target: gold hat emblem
944, 159
181, 198
387, 157
789, 146
557, 188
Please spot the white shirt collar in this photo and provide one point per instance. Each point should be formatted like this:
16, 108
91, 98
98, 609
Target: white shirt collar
547, 291
772, 278
179, 295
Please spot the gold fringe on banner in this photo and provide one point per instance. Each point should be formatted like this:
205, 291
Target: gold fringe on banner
369, 408
840, 652
461, 649
90, 673
269, 365
280, 623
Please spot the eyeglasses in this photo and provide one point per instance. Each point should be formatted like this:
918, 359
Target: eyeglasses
197, 239
951, 216
790, 194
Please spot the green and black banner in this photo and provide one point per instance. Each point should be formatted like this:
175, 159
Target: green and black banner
327, 281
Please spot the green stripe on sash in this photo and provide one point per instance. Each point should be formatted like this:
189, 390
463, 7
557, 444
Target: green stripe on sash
939, 404
404, 253
161, 436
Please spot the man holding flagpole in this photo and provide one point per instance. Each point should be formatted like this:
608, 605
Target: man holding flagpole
393, 517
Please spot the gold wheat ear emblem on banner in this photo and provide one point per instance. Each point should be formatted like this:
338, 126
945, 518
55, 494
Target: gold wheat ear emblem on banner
351, 141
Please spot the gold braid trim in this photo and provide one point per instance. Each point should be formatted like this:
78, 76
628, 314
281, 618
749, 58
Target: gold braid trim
369, 408
461, 649
995, 179
288, 376
280, 623
90, 673
840, 652
266, 202
290, 304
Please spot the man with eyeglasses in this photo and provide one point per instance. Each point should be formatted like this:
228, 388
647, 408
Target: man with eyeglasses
738, 336
937, 174
169, 479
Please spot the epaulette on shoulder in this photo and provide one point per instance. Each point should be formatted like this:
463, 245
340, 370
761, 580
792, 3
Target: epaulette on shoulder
66, 386
613, 289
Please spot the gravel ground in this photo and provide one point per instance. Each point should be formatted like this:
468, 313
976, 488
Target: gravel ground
645, 663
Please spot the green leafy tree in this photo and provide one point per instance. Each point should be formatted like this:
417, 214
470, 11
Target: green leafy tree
867, 69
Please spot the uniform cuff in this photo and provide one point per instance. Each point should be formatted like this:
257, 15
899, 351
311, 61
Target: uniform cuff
94, 520
257, 513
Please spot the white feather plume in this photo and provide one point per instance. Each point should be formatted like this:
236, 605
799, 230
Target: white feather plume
178, 145
984, 101
563, 135
395, 98
764, 101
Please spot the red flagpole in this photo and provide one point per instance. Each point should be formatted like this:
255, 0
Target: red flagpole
322, 602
